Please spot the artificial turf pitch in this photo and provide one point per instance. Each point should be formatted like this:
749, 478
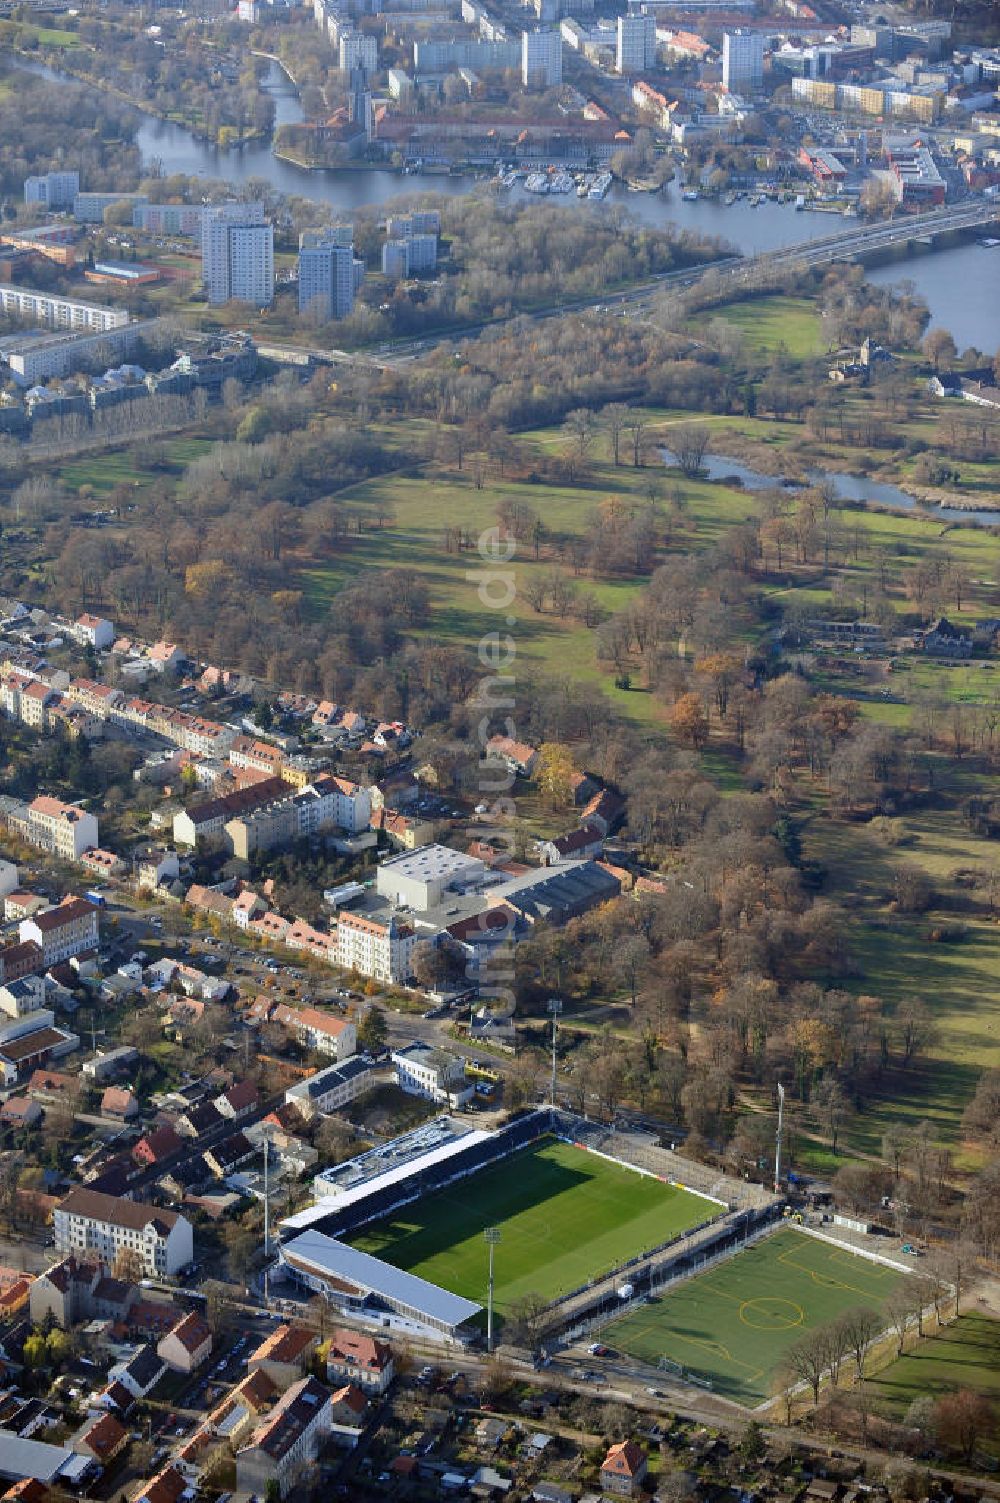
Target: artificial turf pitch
565, 1217
733, 1324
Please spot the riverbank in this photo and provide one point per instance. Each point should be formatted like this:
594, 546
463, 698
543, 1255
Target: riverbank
762, 462
141, 106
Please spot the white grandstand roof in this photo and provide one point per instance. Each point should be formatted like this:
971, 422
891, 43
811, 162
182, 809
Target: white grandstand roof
336, 1202
328, 1256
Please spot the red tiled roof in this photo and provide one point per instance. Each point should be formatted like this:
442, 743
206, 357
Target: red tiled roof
105, 1437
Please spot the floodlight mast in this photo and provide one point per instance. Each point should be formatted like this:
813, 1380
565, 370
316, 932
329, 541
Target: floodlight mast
777, 1141
267, 1214
492, 1237
554, 1008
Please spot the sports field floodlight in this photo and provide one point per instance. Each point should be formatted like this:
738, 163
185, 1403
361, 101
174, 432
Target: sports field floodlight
267, 1210
492, 1236
554, 1008
777, 1140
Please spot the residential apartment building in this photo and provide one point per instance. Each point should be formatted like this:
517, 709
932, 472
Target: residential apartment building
354, 1357
237, 251
743, 61
336, 802
423, 252
326, 279
287, 1441
284, 1354
57, 312
257, 756
358, 51
635, 49
424, 1071
186, 1345
330, 1089
383, 951
52, 190
64, 829
60, 354
420, 222
320, 1031
541, 58
21, 997
169, 219
209, 818
94, 631
396, 259
70, 1291
263, 830
440, 57
107, 1226
89, 207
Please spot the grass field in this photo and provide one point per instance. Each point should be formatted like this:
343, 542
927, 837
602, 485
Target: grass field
565, 1215
773, 323
46, 36
733, 1324
964, 1355
895, 957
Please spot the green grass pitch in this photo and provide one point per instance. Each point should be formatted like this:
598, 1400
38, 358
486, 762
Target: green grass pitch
565, 1216
734, 1323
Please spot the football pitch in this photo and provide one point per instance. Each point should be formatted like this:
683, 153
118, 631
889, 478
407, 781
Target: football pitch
733, 1324
565, 1216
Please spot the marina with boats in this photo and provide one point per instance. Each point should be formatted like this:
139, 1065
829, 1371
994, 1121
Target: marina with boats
557, 181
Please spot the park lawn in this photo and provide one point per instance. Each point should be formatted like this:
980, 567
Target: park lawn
896, 958
965, 1354
772, 323
418, 506
46, 36
131, 466
421, 508
565, 1216
730, 1327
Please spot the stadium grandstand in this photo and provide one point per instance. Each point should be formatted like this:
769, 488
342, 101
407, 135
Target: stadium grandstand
363, 1286
440, 1164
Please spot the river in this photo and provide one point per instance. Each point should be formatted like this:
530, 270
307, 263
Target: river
961, 286
852, 489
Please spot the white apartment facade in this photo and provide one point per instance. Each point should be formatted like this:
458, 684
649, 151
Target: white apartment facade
319, 1031
90, 1224
286, 1441
326, 280
424, 1071
60, 312
636, 43
94, 631
357, 51
541, 58
64, 829
237, 251
62, 932
743, 61
383, 951
53, 190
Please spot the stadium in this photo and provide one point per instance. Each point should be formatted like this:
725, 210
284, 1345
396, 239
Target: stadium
397, 1237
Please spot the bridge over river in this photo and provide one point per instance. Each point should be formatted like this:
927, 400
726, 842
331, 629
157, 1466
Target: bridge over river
855, 243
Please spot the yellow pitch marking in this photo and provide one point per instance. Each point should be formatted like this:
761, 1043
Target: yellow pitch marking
769, 1313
